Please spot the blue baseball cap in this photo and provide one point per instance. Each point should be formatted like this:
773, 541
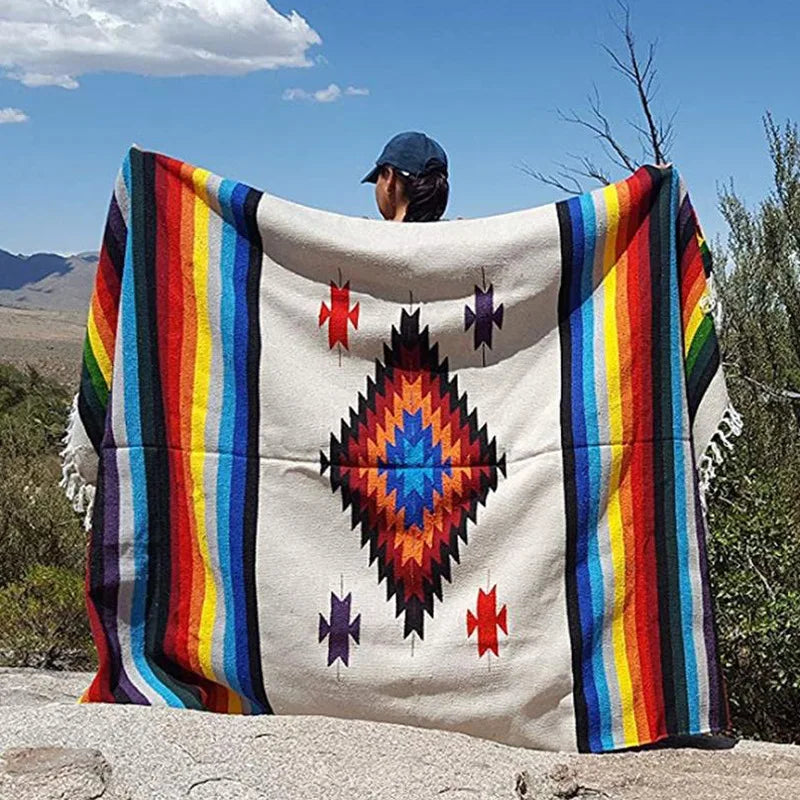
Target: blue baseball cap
411, 153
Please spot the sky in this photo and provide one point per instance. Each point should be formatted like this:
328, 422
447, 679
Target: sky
297, 99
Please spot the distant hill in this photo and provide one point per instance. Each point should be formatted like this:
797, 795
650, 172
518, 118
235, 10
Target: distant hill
47, 281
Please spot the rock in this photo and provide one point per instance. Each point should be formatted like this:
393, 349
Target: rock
165, 754
56, 773
30, 687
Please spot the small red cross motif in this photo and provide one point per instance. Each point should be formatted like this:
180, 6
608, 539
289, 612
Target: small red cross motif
338, 315
487, 621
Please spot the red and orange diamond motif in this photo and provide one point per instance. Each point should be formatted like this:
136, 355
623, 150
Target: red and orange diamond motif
412, 465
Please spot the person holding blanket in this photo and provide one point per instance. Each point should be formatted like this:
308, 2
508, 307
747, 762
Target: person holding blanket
410, 178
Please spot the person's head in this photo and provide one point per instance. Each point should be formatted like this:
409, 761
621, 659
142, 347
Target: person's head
410, 178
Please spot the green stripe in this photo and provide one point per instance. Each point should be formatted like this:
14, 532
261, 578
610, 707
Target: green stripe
703, 362
95, 375
704, 330
669, 318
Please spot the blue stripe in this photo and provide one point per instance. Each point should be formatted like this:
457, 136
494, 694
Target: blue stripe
241, 266
583, 579
678, 447
133, 424
225, 445
595, 469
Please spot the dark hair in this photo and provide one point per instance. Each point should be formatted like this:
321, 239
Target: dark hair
427, 194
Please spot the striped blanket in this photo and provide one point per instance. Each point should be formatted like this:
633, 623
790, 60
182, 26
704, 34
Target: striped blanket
447, 475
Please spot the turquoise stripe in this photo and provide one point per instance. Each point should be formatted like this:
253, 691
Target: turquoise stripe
595, 566
133, 425
225, 448
678, 446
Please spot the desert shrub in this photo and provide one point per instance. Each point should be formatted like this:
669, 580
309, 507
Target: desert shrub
42, 542
755, 505
43, 620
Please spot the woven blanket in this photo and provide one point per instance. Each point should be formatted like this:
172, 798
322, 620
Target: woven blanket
447, 475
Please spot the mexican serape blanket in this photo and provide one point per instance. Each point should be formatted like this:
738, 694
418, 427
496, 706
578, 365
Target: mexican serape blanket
442, 474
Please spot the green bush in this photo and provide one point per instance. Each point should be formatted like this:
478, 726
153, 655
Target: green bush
43, 621
754, 552
42, 543
755, 503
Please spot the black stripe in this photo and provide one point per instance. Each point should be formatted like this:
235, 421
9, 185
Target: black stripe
114, 248
90, 411
658, 345
705, 367
570, 488
685, 233
672, 660
253, 464
143, 212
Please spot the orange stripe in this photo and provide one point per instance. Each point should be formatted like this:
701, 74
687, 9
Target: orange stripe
626, 489
693, 298
102, 326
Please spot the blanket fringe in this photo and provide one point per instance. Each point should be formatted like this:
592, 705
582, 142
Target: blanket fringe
78, 491
730, 426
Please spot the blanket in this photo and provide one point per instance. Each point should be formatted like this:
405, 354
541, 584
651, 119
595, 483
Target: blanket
448, 475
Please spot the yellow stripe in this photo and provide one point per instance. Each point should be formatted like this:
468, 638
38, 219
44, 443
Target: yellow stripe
98, 348
200, 391
694, 324
616, 431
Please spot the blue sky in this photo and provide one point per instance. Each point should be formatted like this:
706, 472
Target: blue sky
484, 79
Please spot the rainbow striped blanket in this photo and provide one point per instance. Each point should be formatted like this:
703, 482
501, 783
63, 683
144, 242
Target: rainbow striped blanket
447, 475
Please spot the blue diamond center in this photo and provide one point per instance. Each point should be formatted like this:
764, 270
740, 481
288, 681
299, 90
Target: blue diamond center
414, 468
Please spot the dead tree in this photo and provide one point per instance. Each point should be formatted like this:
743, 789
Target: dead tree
654, 134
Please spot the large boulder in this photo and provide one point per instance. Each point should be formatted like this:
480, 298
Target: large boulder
158, 754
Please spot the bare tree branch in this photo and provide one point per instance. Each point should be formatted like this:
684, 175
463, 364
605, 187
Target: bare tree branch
562, 180
655, 135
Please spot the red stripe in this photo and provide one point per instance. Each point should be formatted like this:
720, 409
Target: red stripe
641, 467
691, 266
165, 343
106, 302
174, 270
100, 689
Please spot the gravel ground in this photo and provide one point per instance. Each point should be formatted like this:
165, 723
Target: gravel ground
50, 341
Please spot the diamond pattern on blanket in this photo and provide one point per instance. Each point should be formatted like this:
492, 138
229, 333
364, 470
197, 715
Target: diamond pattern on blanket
412, 464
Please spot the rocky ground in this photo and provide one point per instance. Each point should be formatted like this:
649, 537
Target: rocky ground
52, 748
49, 341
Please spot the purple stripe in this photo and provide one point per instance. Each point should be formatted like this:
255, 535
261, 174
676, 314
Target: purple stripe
110, 539
118, 230
715, 713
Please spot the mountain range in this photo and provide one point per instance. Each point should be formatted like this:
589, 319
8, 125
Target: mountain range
47, 280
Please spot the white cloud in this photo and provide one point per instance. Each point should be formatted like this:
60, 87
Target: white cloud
39, 79
327, 95
295, 94
356, 91
53, 42
9, 116
333, 92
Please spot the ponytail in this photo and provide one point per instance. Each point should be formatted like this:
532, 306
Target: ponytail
427, 194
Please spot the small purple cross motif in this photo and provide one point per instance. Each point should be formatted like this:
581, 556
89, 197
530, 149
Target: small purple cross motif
484, 317
339, 630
